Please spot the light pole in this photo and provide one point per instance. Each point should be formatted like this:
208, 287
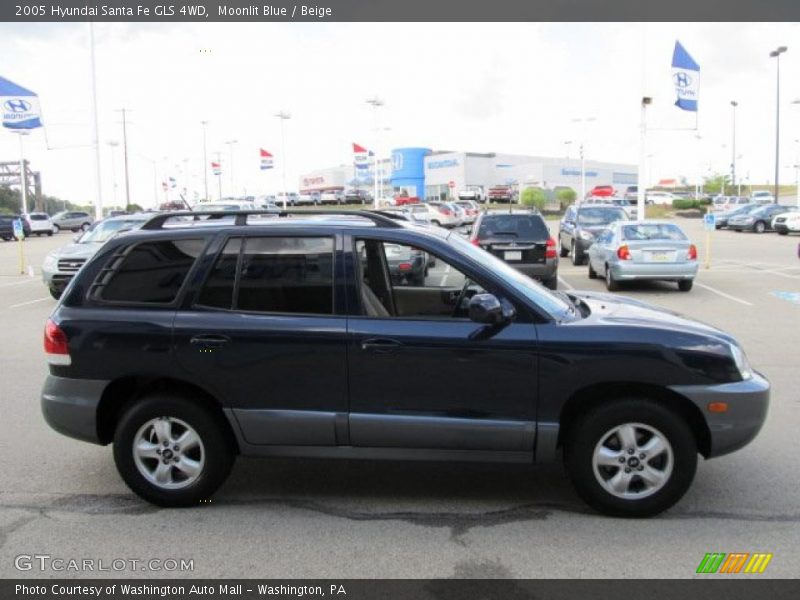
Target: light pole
205, 161
796, 102
230, 144
283, 116
734, 104
776, 54
583, 122
113, 145
376, 103
23, 174
698, 188
98, 204
568, 145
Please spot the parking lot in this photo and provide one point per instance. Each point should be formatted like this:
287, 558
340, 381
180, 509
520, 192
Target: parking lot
309, 518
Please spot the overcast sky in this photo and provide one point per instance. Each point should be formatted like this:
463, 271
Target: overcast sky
511, 88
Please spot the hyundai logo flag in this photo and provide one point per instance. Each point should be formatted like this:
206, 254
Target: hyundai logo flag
216, 168
19, 107
361, 156
685, 78
266, 159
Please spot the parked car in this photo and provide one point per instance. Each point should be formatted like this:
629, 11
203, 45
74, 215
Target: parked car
308, 198
460, 213
759, 220
7, 227
60, 265
501, 194
651, 250
403, 198
659, 197
629, 206
224, 206
631, 193
520, 238
74, 220
728, 203
442, 214
39, 223
471, 210
580, 225
474, 194
117, 212
288, 198
721, 219
408, 266
356, 196
602, 191
332, 197
786, 222
762, 197
154, 348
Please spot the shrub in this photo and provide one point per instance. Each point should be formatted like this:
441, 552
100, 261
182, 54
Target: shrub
533, 197
684, 203
566, 196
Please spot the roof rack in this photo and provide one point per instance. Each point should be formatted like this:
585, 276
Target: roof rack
378, 218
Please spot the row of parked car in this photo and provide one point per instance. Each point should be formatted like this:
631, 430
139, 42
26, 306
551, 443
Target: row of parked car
40, 223
759, 218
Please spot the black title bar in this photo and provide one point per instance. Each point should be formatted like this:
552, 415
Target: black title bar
399, 10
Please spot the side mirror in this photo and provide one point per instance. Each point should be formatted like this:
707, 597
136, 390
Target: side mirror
487, 309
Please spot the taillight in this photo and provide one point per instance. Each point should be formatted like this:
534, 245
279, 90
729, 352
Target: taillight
550, 252
56, 345
404, 266
475, 242
692, 252
444, 210
624, 253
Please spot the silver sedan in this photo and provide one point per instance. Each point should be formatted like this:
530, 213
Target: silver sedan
651, 250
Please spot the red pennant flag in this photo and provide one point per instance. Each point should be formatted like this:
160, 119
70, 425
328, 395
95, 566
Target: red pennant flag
359, 149
265, 154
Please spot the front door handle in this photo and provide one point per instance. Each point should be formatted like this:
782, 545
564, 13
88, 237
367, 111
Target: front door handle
380, 345
209, 341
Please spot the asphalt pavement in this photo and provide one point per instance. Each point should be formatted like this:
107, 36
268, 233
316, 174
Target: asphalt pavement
314, 518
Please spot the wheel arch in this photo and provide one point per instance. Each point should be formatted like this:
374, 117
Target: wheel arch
126, 391
595, 395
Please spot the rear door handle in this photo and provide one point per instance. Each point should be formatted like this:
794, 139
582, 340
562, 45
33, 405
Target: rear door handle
209, 341
380, 345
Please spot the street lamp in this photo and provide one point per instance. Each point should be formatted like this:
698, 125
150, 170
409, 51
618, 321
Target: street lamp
776, 54
283, 116
230, 144
376, 103
583, 121
23, 175
205, 161
734, 104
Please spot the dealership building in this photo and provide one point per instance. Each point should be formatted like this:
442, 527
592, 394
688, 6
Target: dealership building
434, 175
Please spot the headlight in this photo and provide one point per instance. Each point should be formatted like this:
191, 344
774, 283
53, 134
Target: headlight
50, 262
740, 360
586, 235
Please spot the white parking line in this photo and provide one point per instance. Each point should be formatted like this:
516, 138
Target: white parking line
565, 283
28, 280
444, 277
29, 302
723, 294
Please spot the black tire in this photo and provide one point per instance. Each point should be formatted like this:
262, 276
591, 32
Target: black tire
574, 254
437, 223
552, 283
759, 227
54, 293
85, 226
562, 251
217, 448
612, 285
50, 233
685, 285
591, 429
783, 233
592, 272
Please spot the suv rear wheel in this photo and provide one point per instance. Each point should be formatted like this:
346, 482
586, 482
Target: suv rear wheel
631, 457
171, 452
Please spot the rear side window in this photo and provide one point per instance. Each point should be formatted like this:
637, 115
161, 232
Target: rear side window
150, 272
273, 275
516, 227
653, 231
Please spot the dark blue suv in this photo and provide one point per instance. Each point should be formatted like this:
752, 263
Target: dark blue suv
191, 341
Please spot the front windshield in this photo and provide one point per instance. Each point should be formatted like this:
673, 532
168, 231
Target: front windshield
600, 216
105, 230
552, 304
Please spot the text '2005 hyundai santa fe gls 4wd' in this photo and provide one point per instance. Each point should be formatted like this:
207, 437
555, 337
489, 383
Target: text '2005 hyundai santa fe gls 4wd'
191, 341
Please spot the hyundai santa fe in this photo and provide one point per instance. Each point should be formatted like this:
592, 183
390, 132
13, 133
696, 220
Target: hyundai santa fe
188, 344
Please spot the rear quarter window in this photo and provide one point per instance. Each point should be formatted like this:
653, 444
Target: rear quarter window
149, 272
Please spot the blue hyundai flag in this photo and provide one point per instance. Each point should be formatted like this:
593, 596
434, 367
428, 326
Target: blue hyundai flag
19, 107
686, 78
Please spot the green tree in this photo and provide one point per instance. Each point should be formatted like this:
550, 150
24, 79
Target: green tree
533, 197
716, 184
566, 196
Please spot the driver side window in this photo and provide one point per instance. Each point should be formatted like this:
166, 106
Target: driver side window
402, 281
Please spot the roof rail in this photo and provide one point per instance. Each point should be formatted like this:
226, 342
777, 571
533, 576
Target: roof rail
377, 217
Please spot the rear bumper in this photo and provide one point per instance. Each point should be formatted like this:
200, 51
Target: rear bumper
748, 402
540, 271
70, 406
669, 271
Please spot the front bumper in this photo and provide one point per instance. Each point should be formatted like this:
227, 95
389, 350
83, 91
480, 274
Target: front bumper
747, 402
784, 228
70, 406
630, 271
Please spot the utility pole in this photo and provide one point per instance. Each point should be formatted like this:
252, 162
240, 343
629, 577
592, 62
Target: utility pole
219, 177
776, 54
124, 112
98, 191
376, 103
283, 116
734, 104
233, 183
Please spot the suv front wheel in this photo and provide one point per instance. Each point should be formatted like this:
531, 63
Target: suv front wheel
631, 457
171, 452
